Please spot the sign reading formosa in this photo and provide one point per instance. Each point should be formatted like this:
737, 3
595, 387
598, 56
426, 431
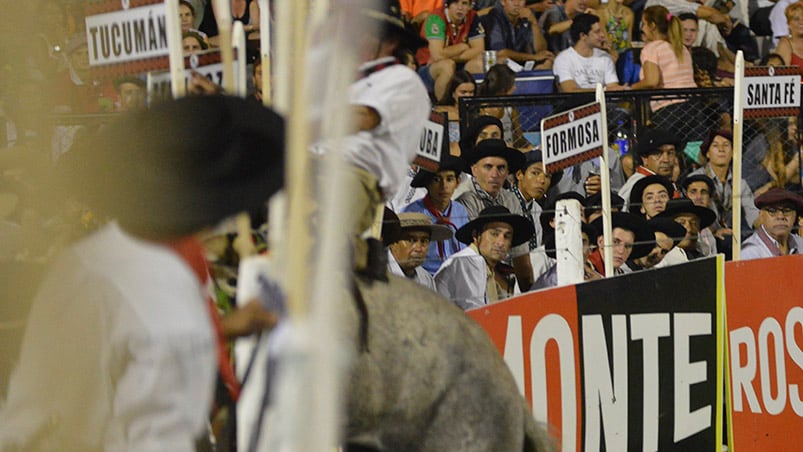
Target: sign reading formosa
572, 137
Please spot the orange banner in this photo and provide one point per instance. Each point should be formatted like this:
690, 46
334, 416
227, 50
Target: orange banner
765, 334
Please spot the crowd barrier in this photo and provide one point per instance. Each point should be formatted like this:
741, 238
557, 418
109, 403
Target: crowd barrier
643, 361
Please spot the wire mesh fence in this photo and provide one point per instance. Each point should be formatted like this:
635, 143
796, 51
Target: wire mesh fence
771, 146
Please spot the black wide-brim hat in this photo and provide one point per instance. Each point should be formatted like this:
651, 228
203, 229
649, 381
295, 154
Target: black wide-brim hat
448, 163
676, 207
644, 238
650, 139
640, 185
468, 139
522, 228
493, 147
669, 227
181, 166
388, 13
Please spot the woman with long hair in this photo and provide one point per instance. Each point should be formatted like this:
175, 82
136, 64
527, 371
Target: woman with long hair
462, 84
666, 63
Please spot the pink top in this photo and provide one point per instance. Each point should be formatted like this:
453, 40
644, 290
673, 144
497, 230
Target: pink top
674, 73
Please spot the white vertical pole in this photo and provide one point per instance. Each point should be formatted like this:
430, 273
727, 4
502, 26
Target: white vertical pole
738, 126
222, 10
605, 178
283, 55
238, 41
568, 242
176, 55
264, 50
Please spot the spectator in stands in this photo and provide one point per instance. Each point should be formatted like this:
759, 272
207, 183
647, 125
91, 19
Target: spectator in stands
779, 210
694, 218
501, 81
657, 150
778, 21
688, 23
132, 92
666, 63
617, 23
512, 31
456, 42
631, 239
462, 84
650, 195
698, 188
718, 150
668, 234
531, 185
790, 47
707, 14
417, 11
469, 278
257, 78
438, 205
557, 21
408, 253
491, 161
581, 67
192, 42
75, 91
187, 16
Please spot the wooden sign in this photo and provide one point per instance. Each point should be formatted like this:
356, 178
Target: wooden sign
572, 137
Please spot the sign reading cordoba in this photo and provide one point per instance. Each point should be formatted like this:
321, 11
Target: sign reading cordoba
572, 137
127, 36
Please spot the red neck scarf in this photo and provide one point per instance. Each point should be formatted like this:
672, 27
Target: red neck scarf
441, 218
189, 249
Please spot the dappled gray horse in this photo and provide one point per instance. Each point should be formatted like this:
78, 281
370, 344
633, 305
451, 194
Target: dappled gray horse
428, 378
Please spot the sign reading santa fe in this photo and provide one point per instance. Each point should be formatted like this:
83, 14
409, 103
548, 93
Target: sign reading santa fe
126, 37
771, 91
572, 137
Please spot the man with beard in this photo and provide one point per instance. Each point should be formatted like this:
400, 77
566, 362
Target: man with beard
469, 278
581, 67
778, 213
409, 251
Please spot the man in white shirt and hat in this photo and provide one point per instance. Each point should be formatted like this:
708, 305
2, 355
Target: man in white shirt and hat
407, 254
469, 278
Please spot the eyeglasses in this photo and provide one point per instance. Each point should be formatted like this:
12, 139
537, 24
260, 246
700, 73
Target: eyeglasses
787, 211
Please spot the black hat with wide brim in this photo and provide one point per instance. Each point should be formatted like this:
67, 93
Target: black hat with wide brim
522, 228
549, 239
677, 207
181, 166
448, 163
493, 147
644, 238
388, 13
651, 139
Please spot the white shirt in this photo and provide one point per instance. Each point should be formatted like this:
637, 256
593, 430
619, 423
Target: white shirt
421, 276
118, 353
585, 71
462, 279
780, 27
399, 97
